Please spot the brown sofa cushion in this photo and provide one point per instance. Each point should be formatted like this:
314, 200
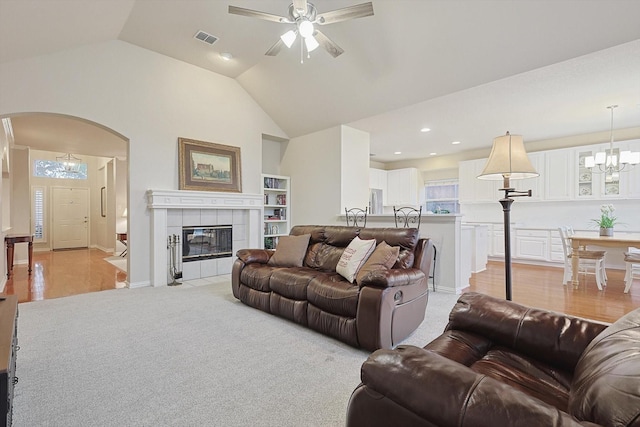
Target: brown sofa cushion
382, 258
605, 383
290, 251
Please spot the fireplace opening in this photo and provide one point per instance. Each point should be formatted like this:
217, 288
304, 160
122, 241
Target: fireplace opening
206, 242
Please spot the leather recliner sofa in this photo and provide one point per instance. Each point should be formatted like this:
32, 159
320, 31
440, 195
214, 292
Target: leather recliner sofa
379, 312
499, 363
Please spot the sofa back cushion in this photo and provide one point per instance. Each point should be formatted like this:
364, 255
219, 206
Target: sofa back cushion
405, 238
606, 382
553, 338
329, 241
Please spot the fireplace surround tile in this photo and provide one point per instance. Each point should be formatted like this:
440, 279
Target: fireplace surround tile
173, 209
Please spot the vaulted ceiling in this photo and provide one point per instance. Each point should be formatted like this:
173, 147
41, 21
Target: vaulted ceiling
467, 69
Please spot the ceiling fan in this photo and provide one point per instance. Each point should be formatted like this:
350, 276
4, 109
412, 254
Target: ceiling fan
305, 16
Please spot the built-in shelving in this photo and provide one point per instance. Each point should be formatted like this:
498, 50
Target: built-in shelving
276, 191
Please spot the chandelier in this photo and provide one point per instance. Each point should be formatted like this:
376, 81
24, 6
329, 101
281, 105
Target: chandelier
612, 161
70, 163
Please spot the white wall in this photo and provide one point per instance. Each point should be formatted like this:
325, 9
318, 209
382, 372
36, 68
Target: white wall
355, 168
150, 99
576, 213
313, 163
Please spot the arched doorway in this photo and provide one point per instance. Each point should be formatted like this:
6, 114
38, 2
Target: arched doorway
37, 142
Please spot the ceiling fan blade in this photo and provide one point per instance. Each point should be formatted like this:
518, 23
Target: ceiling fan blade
300, 5
256, 14
333, 49
275, 49
351, 12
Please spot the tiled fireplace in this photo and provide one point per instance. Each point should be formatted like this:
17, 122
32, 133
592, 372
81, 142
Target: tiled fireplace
173, 210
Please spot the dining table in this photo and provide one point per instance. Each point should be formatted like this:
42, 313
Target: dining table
582, 240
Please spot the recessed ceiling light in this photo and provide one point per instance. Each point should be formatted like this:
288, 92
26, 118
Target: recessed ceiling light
226, 56
397, 152
432, 154
425, 130
456, 142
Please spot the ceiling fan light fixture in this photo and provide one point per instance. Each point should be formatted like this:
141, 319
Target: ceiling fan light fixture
311, 43
306, 28
288, 38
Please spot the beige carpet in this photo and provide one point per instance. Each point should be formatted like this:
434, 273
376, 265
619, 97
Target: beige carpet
183, 356
118, 262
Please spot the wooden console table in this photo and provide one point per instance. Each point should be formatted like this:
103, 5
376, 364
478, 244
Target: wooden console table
10, 241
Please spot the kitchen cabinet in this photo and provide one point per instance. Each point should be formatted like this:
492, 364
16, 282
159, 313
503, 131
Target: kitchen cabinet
559, 178
536, 185
378, 179
532, 244
276, 191
404, 187
474, 190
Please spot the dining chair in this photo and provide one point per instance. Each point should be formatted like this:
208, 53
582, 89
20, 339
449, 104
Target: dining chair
589, 262
632, 259
356, 217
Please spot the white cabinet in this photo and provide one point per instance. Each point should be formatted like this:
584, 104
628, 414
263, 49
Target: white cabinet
532, 244
559, 178
536, 185
276, 191
479, 249
378, 179
404, 187
474, 190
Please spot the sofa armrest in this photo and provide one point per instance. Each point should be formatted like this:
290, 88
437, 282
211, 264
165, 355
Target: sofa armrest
392, 278
555, 338
249, 256
446, 393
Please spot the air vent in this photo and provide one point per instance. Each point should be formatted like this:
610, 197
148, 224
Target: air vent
205, 37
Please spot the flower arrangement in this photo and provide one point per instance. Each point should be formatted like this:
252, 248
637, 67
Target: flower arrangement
606, 220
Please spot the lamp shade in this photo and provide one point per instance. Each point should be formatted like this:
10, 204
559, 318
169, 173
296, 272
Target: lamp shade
508, 159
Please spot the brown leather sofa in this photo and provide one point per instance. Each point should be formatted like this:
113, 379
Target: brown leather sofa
502, 364
379, 312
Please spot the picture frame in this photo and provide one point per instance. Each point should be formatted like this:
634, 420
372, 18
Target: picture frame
208, 166
103, 202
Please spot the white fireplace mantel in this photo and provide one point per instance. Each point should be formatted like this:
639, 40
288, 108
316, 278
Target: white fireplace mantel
183, 199
161, 201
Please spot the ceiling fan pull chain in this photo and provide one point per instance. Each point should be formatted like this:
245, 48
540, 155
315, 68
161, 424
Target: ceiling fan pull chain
301, 51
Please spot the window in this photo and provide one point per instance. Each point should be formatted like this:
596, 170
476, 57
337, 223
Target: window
38, 212
54, 169
442, 196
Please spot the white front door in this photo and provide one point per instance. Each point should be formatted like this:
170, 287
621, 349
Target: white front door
70, 218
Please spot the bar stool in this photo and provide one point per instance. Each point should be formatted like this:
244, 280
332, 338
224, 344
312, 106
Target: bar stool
356, 216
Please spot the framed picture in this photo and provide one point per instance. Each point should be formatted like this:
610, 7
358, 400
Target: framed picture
103, 202
208, 166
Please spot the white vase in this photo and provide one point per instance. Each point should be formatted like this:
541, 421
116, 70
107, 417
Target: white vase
606, 231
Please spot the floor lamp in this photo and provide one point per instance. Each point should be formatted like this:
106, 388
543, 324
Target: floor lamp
508, 160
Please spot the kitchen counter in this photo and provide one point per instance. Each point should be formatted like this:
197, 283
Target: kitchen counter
452, 272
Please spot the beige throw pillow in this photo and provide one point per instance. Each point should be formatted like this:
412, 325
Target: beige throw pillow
290, 251
382, 258
354, 257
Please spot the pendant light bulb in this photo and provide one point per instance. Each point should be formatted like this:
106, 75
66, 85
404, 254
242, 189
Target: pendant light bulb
306, 28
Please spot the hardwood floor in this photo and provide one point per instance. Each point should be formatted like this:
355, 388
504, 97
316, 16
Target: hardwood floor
542, 287
63, 273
